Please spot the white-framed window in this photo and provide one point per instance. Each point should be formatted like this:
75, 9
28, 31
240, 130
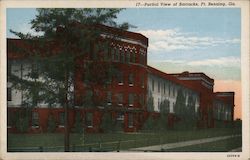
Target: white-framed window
89, 119
61, 119
35, 119
120, 116
142, 81
120, 78
120, 99
131, 99
131, 79
109, 98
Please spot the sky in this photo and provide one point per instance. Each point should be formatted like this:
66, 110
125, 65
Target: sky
180, 39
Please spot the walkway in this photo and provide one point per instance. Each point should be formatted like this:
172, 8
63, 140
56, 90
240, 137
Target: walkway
236, 150
182, 144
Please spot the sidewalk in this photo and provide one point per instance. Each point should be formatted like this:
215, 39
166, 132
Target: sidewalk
182, 144
236, 150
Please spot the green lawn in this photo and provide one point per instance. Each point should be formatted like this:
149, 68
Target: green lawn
113, 141
218, 146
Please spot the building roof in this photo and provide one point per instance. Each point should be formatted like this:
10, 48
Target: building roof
193, 74
116, 31
171, 78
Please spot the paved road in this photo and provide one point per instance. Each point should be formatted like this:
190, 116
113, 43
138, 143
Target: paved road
182, 144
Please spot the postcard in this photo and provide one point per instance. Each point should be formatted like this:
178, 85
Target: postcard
125, 79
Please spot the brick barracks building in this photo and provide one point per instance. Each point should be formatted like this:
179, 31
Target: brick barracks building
126, 95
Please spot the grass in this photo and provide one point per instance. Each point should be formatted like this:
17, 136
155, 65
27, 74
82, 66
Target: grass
218, 146
114, 141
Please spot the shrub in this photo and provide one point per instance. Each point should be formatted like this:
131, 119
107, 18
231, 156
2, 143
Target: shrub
22, 120
78, 126
108, 123
51, 124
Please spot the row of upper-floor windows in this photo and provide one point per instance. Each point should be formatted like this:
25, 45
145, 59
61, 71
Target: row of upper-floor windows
166, 88
120, 78
131, 79
118, 54
119, 99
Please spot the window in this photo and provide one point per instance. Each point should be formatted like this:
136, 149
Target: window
61, 118
35, 119
131, 79
159, 103
9, 94
117, 54
133, 56
153, 85
120, 78
164, 88
89, 119
141, 59
131, 99
112, 54
106, 51
130, 120
120, 99
127, 57
142, 81
122, 56
173, 91
159, 86
169, 89
120, 116
142, 99
109, 98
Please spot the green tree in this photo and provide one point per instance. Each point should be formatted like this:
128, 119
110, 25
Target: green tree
23, 116
164, 110
164, 106
186, 113
66, 36
150, 102
149, 123
180, 104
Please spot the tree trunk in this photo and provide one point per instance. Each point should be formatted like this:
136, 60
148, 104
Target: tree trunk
66, 114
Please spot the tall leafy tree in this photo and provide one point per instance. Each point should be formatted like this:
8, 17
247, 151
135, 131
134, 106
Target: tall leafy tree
179, 107
66, 36
150, 102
